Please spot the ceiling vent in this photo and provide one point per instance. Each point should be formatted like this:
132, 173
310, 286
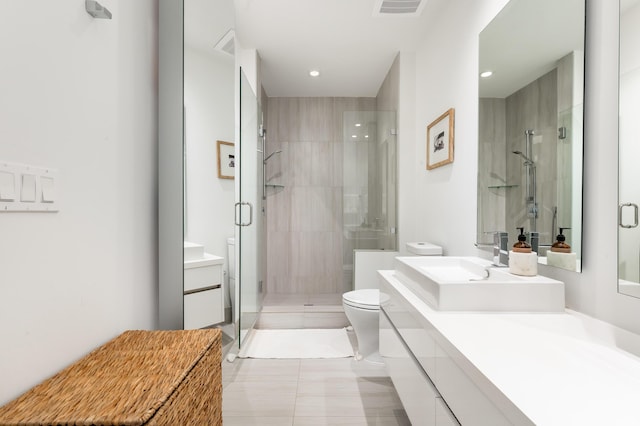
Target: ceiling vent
227, 43
398, 7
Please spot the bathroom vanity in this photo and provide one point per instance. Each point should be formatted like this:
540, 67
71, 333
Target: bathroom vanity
505, 368
203, 287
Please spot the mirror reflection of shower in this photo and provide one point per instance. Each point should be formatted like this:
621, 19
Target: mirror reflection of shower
530, 179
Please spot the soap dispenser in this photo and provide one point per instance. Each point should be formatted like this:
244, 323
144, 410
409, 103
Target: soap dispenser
522, 260
522, 246
560, 246
560, 253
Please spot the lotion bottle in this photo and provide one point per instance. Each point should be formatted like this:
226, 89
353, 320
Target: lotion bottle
522, 260
560, 253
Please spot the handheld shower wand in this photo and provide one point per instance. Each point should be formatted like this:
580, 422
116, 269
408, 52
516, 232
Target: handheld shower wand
528, 161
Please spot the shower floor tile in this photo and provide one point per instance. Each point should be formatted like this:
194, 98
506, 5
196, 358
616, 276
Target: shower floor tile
302, 311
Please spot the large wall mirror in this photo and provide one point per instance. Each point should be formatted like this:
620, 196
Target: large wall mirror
196, 73
629, 149
530, 138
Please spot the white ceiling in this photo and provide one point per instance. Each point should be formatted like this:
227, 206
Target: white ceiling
352, 48
206, 22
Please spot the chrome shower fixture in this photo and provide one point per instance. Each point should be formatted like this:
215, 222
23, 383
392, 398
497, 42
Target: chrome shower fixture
528, 160
97, 10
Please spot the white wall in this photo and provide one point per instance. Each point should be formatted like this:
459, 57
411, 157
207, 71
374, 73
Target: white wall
210, 114
79, 95
443, 200
442, 204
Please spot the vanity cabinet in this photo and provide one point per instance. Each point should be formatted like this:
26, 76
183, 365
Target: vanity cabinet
426, 371
505, 368
419, 396
417, 393
203, 292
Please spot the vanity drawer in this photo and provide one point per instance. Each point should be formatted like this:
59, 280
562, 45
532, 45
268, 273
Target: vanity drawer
417, 393
470, 404
203, 276
416, 332
203, 308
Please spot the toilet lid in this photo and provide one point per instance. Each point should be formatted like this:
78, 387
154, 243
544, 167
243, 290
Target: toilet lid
366, 299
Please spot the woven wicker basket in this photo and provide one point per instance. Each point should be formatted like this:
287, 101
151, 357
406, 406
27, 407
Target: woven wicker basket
138, 378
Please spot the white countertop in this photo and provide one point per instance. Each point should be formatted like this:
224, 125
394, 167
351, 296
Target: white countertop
557, 368
206, 260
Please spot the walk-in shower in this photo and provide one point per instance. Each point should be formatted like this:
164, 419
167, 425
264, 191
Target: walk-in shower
331, 189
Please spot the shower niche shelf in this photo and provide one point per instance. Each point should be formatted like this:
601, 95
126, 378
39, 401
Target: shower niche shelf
502, 186
274, 185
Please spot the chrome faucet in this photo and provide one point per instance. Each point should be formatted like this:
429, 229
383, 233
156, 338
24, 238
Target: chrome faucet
500, 249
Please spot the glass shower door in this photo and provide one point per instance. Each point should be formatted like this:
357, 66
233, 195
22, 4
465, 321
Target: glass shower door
369, 184
248, 212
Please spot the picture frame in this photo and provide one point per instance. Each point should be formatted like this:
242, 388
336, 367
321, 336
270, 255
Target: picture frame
440, 140
226, 160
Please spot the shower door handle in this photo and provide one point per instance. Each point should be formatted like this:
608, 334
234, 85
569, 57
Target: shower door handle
635, 215
238, 213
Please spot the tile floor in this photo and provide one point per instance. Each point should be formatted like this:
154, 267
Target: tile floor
300, 392
309, 392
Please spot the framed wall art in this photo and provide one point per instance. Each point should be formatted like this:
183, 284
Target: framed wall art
440, 140
226, 160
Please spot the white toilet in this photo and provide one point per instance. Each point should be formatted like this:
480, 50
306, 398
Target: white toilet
362, 308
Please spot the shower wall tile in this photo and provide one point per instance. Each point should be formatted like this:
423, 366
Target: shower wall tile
273, 135
300, 164
292, 108
312, 209
312, 164
278, 209
277, 256
337, 211
311, 253
316, 119
321, 164
304, 221
337, 149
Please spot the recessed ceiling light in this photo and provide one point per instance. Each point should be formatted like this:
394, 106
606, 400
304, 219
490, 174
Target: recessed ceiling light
358, 124
354, 136
366, 136
314, 73
486, 74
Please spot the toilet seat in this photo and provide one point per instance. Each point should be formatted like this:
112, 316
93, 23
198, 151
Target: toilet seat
368, 299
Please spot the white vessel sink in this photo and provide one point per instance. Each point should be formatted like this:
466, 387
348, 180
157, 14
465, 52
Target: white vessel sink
450, 283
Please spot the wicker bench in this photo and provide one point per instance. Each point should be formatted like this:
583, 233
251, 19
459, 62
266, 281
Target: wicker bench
139, 378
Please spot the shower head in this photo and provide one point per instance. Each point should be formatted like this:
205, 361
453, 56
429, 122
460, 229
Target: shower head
526, 159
